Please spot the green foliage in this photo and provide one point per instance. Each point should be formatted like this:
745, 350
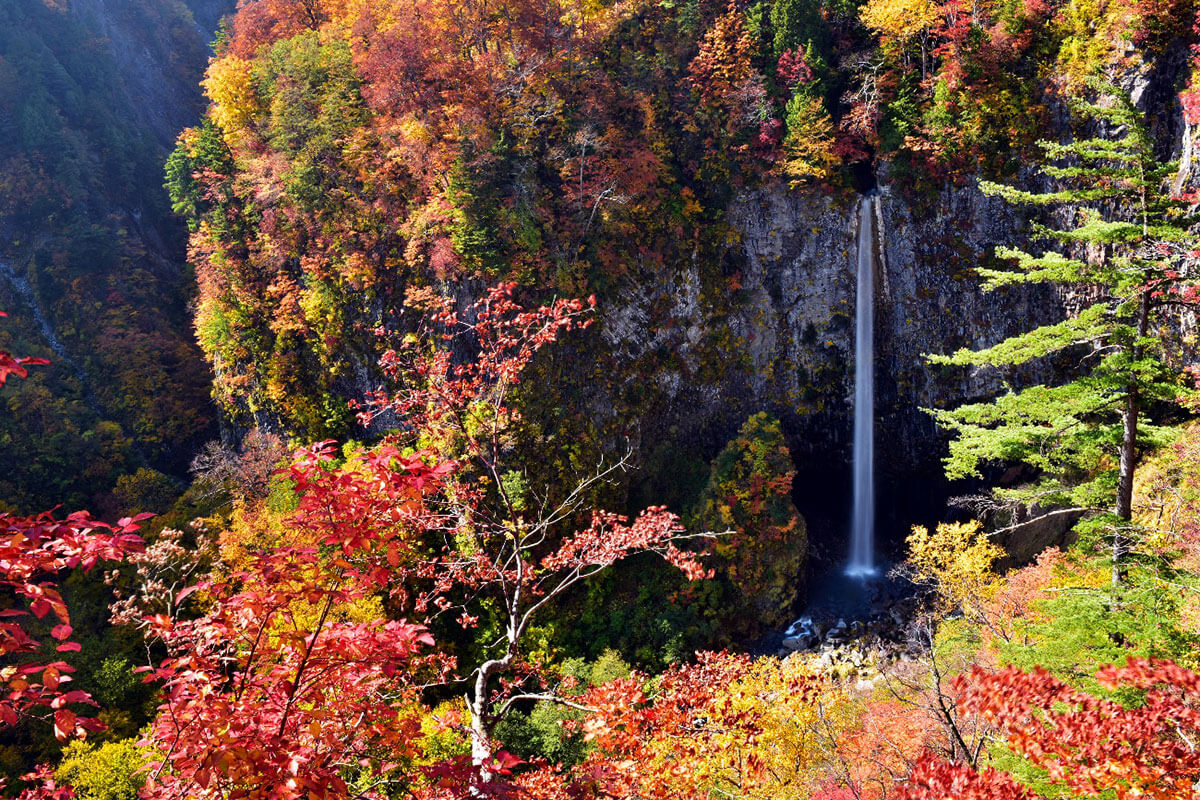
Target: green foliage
808, 143
1083, 429
146, 490
799, 26
311, 92
1079, 628
83, 222
760, 564
901, 117
1038, 343
281, 496
110, 771
204, 151
640, 610
540, 732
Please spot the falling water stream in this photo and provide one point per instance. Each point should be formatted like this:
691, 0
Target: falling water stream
23, 290
862, 530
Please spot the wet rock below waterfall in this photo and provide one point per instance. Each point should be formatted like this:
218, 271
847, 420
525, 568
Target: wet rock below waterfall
886, 629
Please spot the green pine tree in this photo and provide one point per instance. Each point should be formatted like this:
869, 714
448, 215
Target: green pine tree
1126, 248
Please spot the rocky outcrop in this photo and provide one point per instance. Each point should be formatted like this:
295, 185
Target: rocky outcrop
776, 331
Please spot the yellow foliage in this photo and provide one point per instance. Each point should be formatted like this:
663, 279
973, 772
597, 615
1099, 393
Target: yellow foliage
414, 130
800, 720
1095, 33
581, 12
956, 560
808, 146
229, 85
800, 732
255, 529
442, 730
899, 19
1164, 499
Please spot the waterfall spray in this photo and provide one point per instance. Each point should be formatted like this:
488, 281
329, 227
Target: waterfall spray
862, 531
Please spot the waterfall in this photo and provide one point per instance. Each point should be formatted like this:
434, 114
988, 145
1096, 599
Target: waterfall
862, 531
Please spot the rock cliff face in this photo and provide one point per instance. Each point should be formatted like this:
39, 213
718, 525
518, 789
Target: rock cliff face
777, 333
775, 329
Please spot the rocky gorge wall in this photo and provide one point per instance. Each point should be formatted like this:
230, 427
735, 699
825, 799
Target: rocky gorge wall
774, 330
702, 324
777, 334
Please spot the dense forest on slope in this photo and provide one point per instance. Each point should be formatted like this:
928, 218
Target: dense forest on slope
91, 98
350, 151
693, 165
529, 325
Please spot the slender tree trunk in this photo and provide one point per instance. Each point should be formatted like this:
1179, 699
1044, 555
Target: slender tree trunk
480, 708
1129, 424
481, 744
1129, 419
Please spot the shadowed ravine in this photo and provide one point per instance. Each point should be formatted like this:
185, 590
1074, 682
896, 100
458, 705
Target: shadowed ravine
25, 291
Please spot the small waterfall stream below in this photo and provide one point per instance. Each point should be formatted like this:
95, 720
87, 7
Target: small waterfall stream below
862, 526
25, 291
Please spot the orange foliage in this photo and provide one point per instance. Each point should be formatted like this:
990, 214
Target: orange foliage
1016, 600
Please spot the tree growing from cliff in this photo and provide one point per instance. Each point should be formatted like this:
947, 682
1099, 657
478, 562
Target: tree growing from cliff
759, 565
1125, 249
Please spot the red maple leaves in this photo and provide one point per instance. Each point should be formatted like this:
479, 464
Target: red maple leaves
269, 695
15, 365
283, 690
33, 553
1090, 746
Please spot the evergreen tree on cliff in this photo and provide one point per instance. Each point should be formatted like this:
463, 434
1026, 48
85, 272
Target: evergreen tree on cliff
1124, 248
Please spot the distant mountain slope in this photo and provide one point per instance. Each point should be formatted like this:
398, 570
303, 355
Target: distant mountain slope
92, 95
